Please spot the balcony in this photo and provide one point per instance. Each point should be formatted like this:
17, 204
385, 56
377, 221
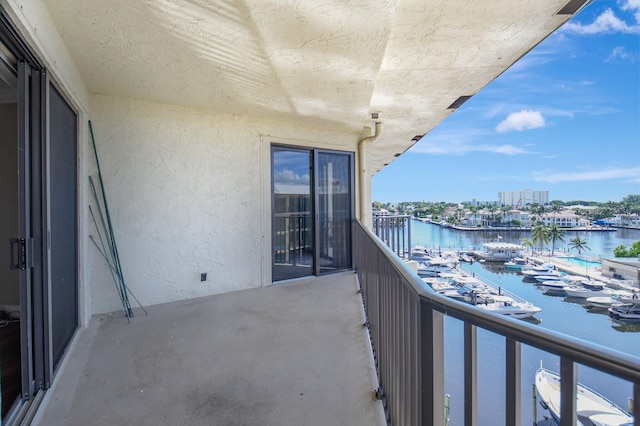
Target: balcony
297, 353
289, 354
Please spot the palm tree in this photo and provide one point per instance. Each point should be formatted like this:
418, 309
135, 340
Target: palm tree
555, 209
527, 243
492, 210
555, 234
578, 244
540, 234
505, 210
474, 210
537, 210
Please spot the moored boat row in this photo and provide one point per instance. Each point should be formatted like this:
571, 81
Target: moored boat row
458, 285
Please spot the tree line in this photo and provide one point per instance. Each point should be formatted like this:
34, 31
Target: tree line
590, 210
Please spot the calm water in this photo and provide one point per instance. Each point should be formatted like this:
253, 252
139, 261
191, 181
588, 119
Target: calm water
559, 313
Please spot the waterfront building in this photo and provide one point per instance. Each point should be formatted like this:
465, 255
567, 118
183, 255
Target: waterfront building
213, 122
523, 198
630, 220
627, 269
564, 219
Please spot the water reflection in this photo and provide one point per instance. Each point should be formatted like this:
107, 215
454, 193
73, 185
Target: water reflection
625, 326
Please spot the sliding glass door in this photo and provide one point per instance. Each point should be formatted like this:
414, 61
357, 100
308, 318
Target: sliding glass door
38, 225
312, 211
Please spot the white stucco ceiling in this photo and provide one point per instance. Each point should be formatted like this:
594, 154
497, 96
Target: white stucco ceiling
322, 62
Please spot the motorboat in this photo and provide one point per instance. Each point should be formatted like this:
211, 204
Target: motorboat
591, 407
546, 278
468, 294
629, 311
603, 302
460, 286
616, 298
517, 263
554, 288
434, 266
532, 271
420, 253
585, 290
510, 307
466, 258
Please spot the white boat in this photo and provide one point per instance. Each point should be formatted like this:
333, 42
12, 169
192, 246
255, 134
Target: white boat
485, 296
616, 298
554, 288
600, 301
591, 407
434, 266
586, 290
517, 263
548, 277
466, 258
507, 306
532, 271
626, 311
420, 253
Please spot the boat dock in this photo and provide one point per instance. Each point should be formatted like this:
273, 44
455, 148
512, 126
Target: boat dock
569, 268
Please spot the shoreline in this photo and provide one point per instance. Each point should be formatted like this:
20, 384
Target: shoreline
596, 228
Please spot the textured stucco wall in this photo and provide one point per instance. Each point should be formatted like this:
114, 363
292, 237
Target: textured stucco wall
188, 192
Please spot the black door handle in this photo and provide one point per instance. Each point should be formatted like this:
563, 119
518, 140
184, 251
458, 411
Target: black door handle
18, 253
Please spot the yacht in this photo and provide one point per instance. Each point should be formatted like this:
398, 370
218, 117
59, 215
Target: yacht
588, 289
627, 311
532, 271
591, 407
517, 263
510, 307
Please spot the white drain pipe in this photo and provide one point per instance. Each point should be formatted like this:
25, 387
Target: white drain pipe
365, 183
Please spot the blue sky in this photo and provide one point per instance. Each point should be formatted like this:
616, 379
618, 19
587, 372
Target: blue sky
564, 119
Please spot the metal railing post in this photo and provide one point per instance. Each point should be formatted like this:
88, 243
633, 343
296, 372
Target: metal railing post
470, 374
568, 386
409, 246
432, 365
512, 385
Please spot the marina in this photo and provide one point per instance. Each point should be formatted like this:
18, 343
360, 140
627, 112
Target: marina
576, 317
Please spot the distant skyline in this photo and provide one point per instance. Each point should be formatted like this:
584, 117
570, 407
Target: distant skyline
563, 119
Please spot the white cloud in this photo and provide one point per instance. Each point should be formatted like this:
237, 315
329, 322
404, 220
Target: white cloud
633, 6
607, 22
445, 148
290, 177
522, 120
463, 140
632, 172
619, 52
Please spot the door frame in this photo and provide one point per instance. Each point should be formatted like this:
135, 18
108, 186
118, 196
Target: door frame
34, 84
314, 155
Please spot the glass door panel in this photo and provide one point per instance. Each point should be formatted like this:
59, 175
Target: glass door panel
63, 207
10, 346
334, 206
292, 237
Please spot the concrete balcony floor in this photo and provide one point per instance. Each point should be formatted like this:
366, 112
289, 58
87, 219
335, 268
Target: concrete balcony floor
288, 354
